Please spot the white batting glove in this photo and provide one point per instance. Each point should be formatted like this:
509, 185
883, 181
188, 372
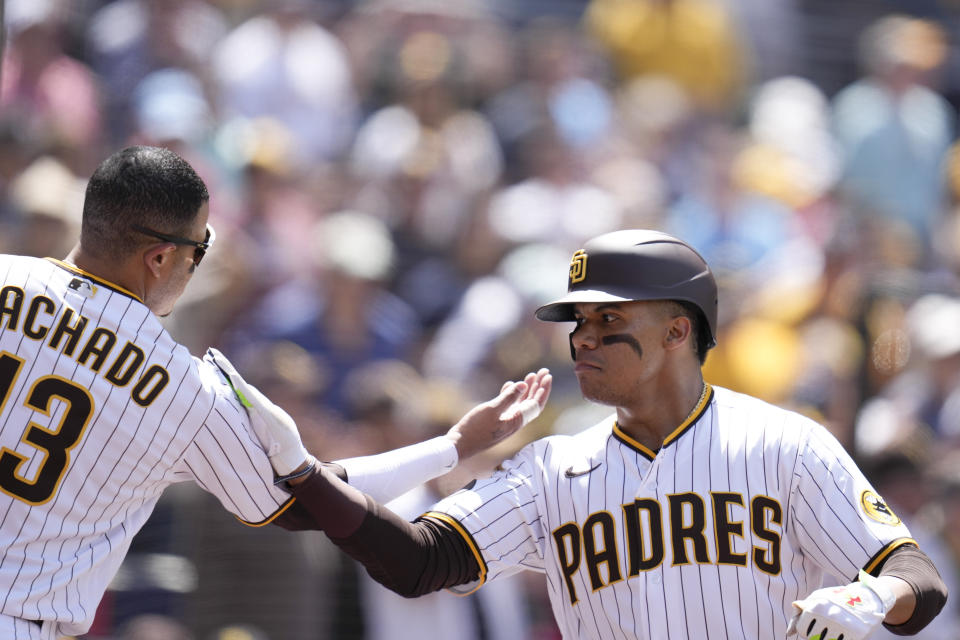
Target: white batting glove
842, 613
274, 427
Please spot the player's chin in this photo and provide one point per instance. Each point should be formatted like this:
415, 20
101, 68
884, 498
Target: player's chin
593, 390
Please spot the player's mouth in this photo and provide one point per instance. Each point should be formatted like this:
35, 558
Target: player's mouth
584, 365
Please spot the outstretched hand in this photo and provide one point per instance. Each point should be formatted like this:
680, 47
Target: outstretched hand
494, 420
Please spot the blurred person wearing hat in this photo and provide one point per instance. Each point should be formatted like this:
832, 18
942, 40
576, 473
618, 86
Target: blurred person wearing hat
128, 41
923, 395
54, 95
282, 63
49, 199
339, 308
894, 129
690, 511
652, 37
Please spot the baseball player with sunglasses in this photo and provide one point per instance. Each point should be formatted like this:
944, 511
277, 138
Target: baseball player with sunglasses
691, 512
101, 410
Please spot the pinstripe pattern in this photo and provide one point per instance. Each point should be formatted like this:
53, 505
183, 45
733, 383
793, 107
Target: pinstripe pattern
61, 546
19, 629
782, 480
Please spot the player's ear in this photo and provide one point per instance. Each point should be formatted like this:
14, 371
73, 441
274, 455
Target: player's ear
159, 258
678, 332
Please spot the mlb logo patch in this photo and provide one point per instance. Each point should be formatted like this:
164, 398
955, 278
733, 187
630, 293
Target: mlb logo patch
83, 287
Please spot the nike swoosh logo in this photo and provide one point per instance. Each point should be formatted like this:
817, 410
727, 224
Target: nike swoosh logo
570, 473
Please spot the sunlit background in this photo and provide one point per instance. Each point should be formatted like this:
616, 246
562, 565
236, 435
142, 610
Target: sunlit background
396, 185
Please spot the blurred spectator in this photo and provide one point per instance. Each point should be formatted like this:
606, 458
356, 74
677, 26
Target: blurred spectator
560, 86
695, 43
129, 39
282, 64
339, 310
556, 203
48, 199
465, 347
771, 34
792, 156
408, 408
426, 157
894, 129
736, 228
924, 396
905, 485
946, 238
169, 106
55, 96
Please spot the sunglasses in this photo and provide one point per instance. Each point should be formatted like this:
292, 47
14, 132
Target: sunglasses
199, 248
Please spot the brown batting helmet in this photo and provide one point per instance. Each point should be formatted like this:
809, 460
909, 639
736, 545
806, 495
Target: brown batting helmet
637, 264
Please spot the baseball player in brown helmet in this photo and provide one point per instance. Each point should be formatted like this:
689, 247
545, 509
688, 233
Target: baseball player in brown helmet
690, 512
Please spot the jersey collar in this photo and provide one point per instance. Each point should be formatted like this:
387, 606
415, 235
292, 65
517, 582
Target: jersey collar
106, 283
690, 420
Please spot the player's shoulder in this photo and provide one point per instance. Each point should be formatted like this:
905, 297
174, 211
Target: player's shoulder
12, 266
752, 413
728, 399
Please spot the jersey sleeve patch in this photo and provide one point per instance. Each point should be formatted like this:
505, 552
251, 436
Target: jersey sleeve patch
876, 509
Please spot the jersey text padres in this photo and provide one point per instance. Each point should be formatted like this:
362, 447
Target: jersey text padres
744, 509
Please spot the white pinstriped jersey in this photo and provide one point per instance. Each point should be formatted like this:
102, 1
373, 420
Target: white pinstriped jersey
100, 410
744, 509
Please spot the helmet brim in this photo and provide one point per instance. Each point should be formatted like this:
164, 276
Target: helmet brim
561, 310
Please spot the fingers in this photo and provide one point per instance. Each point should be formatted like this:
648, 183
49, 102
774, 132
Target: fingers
531, 381
509, 393
524, 400
545, 384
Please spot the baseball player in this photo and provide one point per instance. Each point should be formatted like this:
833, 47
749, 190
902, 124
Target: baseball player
691, 512
100, 409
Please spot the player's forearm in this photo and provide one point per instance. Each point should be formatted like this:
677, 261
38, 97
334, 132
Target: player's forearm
905, 603
409, 558
908, 568
389, 475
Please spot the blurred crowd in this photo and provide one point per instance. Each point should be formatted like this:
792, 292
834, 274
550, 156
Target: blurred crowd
397, 184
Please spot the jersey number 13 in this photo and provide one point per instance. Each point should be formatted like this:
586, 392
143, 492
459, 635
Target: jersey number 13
55, 443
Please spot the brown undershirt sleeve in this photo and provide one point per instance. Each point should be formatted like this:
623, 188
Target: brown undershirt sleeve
296, 517
411, 559
914, 567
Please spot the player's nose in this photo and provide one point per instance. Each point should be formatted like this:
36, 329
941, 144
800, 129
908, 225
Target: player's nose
583, 339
